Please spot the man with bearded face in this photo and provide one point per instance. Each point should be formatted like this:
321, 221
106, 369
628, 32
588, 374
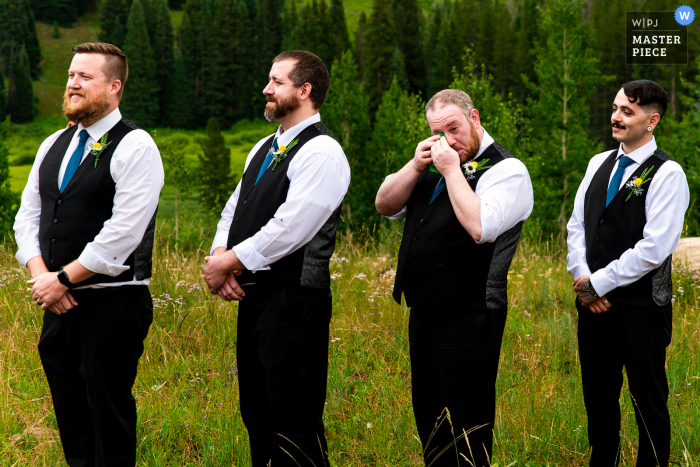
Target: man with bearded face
85, 233
271, 252
462, 229
627, 221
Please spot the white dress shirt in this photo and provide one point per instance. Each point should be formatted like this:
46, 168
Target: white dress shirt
137, 170
319, 175
505, 192
665, 206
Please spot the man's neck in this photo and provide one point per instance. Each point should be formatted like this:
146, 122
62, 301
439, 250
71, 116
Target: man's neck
630, 147
89, 122
296, 118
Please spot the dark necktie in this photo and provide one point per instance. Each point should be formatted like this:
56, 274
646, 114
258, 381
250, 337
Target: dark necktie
438, 189
267, 161
614, 186
74, 161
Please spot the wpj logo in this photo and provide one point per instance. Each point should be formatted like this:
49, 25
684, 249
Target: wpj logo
657, 37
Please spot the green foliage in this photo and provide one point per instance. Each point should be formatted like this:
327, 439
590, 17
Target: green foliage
440, 33
345, 114
114, 15
268, 43
380, 42
20, 95
398, 70
499, 116
17, 30
190, 39
360, 40
339, 27
313, 31
560, 146
180, 174
56, 33
409, 22
9, 200
163, 53
64, 12
140, 99
179, 105
215, 181
3, 97
399, 126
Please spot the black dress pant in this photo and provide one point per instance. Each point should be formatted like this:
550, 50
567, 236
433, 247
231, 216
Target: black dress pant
454, 364
282, 353
90, 355
635, 338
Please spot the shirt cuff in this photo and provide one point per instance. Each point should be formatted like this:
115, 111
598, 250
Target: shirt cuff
251, 259
25, 254
602, 283
582, 270
95, 263
218, 242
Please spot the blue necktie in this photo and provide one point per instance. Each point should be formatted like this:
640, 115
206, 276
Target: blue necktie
267, 161
614, 186
438, 189
74, 161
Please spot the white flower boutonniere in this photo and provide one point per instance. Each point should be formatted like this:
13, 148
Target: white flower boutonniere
473, 167
281, 154
97, 148
635, 186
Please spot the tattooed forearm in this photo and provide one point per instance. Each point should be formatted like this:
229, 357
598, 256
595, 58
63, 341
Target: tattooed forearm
585, 290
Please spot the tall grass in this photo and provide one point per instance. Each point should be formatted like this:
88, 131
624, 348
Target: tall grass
187, 389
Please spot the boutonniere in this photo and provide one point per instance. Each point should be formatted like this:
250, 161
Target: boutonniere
281, 154
635, 186
473, 167
97, 148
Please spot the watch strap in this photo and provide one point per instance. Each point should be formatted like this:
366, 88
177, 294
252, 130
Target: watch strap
63, 279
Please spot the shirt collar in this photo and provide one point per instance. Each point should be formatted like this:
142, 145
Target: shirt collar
102, 126
486, 141
286, 137
641, 154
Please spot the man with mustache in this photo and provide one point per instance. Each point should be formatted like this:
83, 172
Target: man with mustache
462, 229
627, 221
271, 253
85, 233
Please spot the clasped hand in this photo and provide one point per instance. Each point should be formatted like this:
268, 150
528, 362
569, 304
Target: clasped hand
220, 279
50, 294
436, 150
582, 287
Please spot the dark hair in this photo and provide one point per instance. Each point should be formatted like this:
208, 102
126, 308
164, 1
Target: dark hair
308, 68
647, 93
116, 66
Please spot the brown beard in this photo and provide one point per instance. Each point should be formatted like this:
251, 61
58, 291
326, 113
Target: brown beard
282, 109
474, 144
89, 108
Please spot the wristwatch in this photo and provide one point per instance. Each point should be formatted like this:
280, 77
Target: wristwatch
63, 279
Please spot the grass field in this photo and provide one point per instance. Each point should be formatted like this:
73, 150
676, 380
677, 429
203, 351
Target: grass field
187, 387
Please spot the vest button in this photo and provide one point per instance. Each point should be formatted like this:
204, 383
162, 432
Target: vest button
53, 240
602, 221
245, 201
592, 258
236, 218
414, 239
59, 201
55, 221
52, 262
597, 239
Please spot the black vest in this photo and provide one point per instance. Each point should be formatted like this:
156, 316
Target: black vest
439, 262
612, 230
72, 219
257, 204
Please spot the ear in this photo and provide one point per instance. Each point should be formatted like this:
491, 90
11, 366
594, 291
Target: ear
304, 91
474, 115
654, 120
115, 87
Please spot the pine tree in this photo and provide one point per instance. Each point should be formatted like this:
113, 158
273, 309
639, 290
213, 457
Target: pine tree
444, 57
150, 13
214, 169
527, 35
31, 42
249, 90
9, 200
268, 43
113, 18
339, 27
380, 43
221, 67
345, 114
360, 40
190, 45
140, 99
558, 121
17, 30
20, 101
178, 105
180, 174
399, 126
436, 80
397, 70
3, 98
55, 32
408, 19
163, 53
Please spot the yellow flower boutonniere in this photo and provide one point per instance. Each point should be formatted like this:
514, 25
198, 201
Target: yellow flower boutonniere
99, 146
635, 186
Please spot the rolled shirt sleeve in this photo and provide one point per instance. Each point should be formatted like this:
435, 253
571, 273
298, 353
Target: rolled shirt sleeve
137, 170
666, 204
318, 183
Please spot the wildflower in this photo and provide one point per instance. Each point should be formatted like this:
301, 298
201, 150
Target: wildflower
369, 425
360, 276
